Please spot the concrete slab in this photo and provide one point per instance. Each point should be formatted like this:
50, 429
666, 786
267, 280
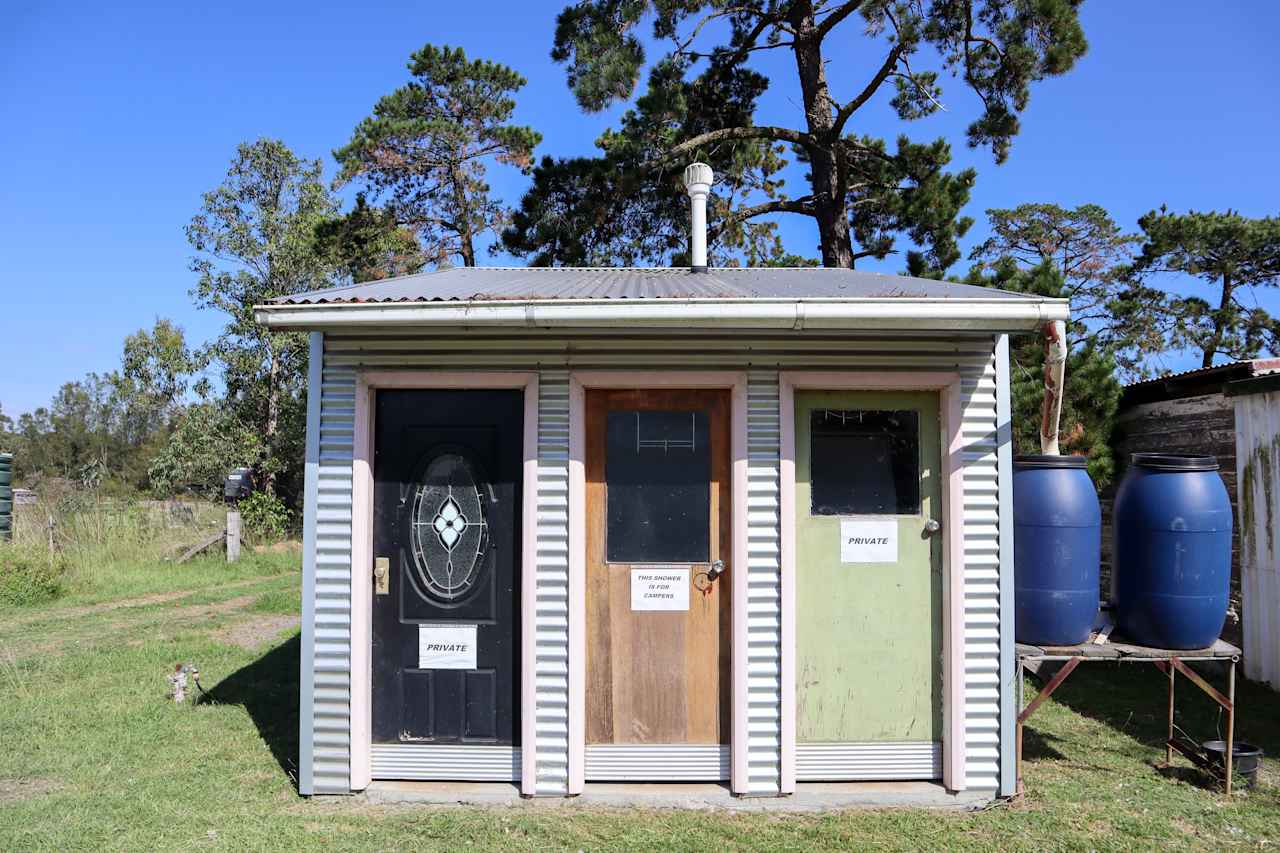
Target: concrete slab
809, 796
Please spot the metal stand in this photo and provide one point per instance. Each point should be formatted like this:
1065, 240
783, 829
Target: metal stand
1168, 661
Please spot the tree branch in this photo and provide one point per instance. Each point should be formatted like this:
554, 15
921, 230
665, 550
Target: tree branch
779, 134
829, 23
798, 205
850, 108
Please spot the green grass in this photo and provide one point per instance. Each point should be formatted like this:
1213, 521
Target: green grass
95, 757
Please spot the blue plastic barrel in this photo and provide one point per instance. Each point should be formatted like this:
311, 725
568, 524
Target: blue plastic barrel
1057, 542
1172, 554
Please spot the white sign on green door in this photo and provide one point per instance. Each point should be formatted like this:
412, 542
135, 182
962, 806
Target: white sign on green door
864, 541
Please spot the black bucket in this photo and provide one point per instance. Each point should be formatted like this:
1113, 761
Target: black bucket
1245, 758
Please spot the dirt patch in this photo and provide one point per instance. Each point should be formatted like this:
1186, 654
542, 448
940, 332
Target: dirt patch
16, 790
256, 632
128, 603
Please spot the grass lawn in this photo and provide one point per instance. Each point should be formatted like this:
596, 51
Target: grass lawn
94, 757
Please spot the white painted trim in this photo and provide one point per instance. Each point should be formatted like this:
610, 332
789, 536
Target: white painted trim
579, 381
658, 762
948, 384
367, 382
479, 762
1004, 473
913, 313
868, 761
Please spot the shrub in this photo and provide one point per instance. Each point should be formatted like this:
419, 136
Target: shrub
265, 518
29, 576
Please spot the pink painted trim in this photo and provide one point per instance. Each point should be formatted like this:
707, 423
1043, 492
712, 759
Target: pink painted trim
367, 382
948, 384
787, 523
360, 696
579, 381
738, 572
577, 587
529, 594
953, 756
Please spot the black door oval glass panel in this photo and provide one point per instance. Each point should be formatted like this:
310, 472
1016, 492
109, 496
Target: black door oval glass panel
657, 487
864, 461
450, 531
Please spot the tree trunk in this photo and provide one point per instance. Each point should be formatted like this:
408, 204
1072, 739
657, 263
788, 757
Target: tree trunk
828, 182
1219, 322
466, 239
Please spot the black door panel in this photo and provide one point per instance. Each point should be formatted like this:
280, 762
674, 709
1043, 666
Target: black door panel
447, 469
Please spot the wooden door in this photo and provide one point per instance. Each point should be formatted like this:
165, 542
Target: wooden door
658, 519
446, 504
868, 567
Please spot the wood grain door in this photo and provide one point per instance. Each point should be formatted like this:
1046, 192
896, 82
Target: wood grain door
658, 518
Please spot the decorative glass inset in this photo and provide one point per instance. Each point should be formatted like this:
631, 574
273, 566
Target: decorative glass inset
450, 531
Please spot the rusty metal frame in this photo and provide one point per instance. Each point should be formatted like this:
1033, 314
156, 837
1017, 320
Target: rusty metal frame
1174, 742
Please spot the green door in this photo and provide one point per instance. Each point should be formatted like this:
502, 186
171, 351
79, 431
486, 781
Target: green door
869, 567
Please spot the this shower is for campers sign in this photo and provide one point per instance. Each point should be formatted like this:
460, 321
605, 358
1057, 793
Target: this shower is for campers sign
868, 540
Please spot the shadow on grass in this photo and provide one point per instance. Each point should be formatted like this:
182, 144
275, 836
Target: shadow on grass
1132, 699
268, 690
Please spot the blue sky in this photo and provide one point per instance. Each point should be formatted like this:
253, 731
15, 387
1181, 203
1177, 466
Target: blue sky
116, 117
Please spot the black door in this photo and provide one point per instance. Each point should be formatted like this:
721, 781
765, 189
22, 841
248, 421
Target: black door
446, 516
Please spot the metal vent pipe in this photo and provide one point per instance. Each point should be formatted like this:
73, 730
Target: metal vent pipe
698, 178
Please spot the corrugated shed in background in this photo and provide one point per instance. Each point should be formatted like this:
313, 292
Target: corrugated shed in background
1257, 419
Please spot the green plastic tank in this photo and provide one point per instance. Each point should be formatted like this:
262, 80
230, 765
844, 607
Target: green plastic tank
6, 495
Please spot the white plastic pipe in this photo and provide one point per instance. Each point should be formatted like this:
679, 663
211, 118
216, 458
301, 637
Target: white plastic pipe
698, 178
1055, 370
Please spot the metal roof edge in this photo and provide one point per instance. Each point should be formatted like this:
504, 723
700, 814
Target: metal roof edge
796, 313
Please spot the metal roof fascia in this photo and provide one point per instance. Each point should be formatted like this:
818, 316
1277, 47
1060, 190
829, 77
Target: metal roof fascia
895, 312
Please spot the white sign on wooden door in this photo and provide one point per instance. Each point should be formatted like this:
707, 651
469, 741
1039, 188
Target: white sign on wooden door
659, 589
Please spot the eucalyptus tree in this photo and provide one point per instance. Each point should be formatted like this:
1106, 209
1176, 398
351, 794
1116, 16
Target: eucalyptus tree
428, 145
862, 192
254, 239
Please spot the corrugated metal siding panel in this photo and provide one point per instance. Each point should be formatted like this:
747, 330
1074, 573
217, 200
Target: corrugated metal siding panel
552, 597
641, 762
762, 355
854, 762
477, 762
331, 712
1258, 478
982, 574
764, 586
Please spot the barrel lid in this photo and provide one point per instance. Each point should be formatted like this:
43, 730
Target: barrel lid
1173, 462
1069, 461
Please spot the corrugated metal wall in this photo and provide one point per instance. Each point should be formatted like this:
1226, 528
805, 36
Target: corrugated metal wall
552, 355
1257, 418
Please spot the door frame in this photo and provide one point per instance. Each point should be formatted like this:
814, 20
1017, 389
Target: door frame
947, 384
579, 382
369, 382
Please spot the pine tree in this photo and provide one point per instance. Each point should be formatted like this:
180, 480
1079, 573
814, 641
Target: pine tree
862, 192
428, 144
1233, 255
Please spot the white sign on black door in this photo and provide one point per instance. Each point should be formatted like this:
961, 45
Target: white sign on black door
446, 646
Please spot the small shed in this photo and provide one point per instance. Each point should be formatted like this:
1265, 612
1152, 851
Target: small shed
572, 526
1230, 411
